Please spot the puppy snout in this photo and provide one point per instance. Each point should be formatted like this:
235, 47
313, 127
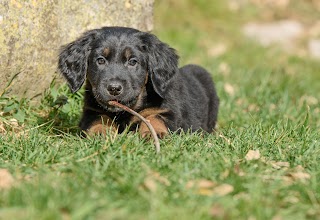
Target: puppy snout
115, 88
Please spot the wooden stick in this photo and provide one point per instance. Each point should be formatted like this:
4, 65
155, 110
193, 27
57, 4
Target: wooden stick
153, 132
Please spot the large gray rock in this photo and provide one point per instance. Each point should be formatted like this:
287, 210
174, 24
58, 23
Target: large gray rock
31, 33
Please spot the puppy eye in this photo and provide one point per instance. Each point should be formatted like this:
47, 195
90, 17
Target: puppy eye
101, 61
132, 62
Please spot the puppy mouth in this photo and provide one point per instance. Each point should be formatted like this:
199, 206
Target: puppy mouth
103, 101
111, 108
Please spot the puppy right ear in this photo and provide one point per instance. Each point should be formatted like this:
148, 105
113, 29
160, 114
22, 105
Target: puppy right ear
73, 60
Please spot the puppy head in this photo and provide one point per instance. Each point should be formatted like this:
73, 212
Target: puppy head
117, 62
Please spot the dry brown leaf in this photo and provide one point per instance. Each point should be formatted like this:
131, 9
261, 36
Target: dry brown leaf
228, 88
299, 168
150, 184
14, 122
297, 174
223, 189
2, 128
10, 125
300, 173
303, 176
272, 107
238, 170
280, 164
276, 217
309, 100
152, 180
233, 5
224, 69
202, 183
253, 155
161, 179
217, 50
253, 108
208, 188
6, 179
225, 174
205, 191
217, 211
273, 3
241, 102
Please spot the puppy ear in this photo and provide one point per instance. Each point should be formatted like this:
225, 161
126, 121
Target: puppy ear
73, 60
162, 62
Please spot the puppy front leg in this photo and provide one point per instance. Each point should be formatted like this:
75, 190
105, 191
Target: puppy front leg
158, 125
156, 118
93, 123
100, 126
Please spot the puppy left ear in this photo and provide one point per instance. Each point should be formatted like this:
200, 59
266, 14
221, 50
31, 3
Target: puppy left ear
73, 60
162, 62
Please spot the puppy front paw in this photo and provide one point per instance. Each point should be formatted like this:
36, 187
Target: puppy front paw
101, 126
158, 125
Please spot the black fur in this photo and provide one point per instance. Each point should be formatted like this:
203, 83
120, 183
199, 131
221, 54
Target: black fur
140, 71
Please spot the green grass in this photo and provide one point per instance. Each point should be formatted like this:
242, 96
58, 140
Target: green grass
270, 102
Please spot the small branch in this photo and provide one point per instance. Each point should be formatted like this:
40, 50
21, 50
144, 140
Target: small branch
153, 132
9, 84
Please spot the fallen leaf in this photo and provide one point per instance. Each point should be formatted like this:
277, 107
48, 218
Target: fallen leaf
238, 170
276, 217
161, 179
296, 174
253, 155
223, 189
224, 69
293, 199
241, 102
303, 176
208, 188
280, 164
228, 88
225, 174
150, 184
14, 122
205, 191
309, 100
233, 5
272, 3
6, 179
203, 183
272, 107
253, 108
217, 211
152, 180
217, 50
2, 128
299, 168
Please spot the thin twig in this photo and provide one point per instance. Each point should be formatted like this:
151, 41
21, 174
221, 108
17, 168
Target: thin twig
9, 84
153, 132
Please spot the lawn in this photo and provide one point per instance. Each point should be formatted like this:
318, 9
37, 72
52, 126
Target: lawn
263, 162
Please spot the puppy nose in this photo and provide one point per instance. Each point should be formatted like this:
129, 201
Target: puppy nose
114, 89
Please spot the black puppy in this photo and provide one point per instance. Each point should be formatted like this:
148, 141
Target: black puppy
138, 70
